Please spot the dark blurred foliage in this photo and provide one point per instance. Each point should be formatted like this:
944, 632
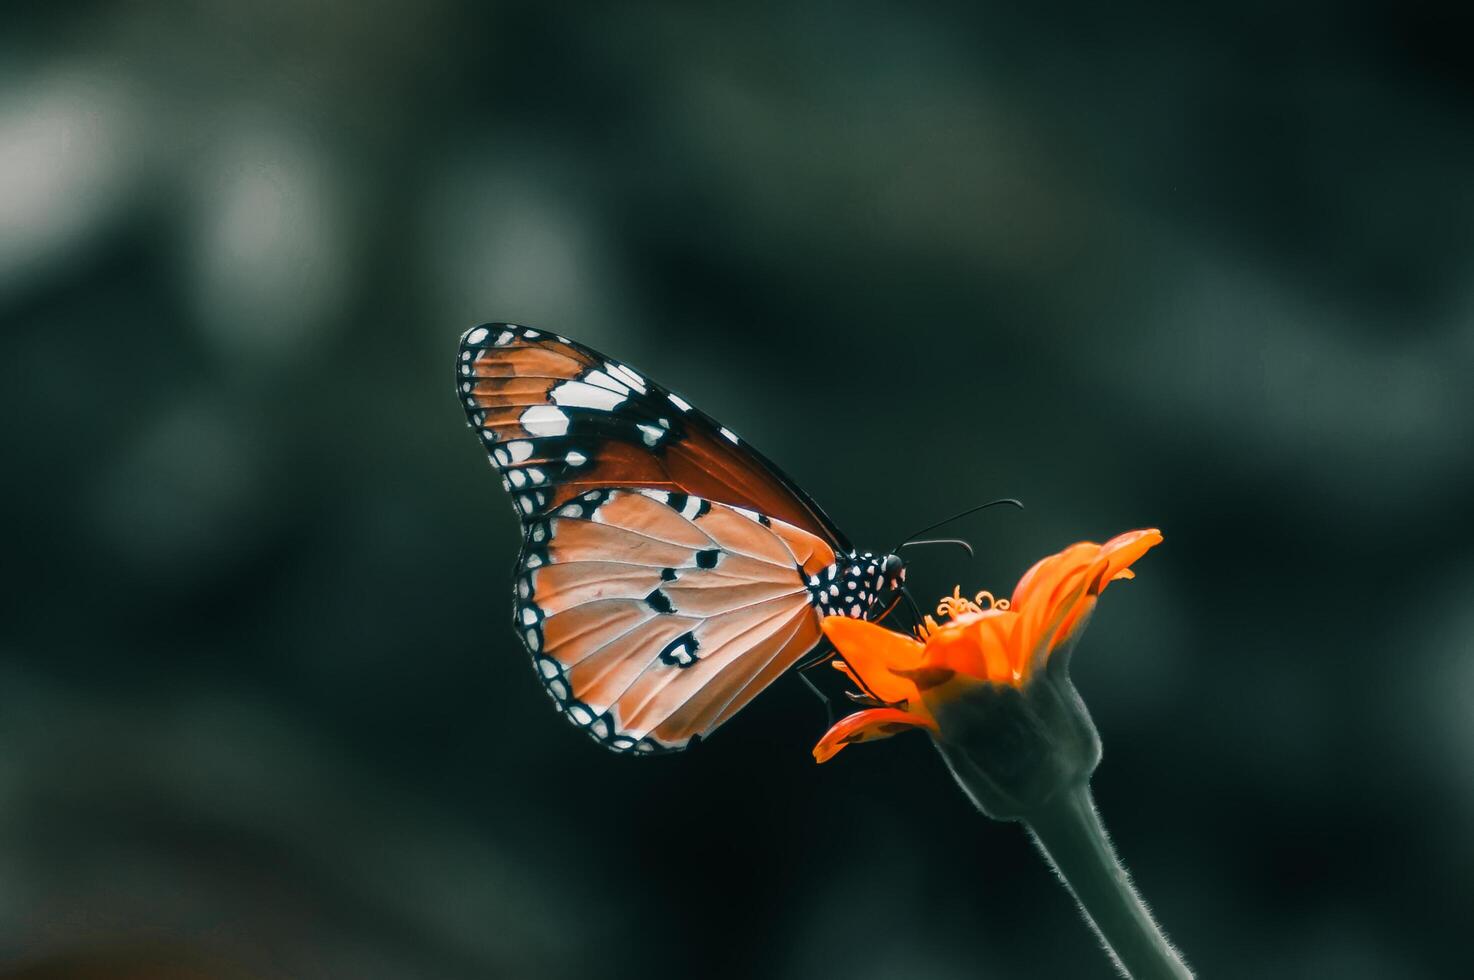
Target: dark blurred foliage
1206, 267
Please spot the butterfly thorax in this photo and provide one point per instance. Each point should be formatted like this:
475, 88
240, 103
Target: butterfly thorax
854, 583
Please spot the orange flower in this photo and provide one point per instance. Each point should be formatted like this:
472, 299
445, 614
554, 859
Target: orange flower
1005, 643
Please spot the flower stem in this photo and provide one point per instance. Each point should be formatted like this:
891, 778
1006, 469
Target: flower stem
1069, 833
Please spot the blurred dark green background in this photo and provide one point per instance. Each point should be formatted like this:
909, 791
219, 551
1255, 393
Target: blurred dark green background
261, 711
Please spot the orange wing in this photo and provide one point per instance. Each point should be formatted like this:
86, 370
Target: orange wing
652, 617
558, 419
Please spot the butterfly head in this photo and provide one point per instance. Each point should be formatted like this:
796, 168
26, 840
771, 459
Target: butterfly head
893, 570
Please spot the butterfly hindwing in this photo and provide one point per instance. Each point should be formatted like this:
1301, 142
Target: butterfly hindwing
652, 616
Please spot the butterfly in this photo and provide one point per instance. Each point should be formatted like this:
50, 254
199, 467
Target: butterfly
668, 572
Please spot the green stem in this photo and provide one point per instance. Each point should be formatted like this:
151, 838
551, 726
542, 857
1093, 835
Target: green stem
1071, 836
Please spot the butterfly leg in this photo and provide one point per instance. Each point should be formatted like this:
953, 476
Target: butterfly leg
866, 697
892, 607
828, 701
915, 609
825, 653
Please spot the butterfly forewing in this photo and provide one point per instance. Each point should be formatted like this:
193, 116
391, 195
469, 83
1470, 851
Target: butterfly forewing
559, 419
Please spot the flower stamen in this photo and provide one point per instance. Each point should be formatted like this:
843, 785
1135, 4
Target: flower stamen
954, 605
993, 603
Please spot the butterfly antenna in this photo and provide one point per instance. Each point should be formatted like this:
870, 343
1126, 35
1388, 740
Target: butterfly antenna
957, 541
948, 520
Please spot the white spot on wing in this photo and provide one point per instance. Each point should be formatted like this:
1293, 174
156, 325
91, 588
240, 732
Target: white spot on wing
602, 380
679, 402
652, 434
545, 420
751, 515
576, 394
692, 508
731, 436
576, 458
625, 374
520, 450
476, 336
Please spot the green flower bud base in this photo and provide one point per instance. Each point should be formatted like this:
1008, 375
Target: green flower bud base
1012, 749
1026, 754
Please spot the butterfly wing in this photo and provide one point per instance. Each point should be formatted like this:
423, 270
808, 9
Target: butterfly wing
652, 617
559, 419
669, 572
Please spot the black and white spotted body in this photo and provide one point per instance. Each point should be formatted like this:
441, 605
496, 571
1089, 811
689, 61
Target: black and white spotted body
854, 584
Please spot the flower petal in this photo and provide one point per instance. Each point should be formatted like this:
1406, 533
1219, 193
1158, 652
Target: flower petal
1058, 593
1122, 551
874, 652
867, 726
1115, 557
974, 644
1042, 580
1057, 589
